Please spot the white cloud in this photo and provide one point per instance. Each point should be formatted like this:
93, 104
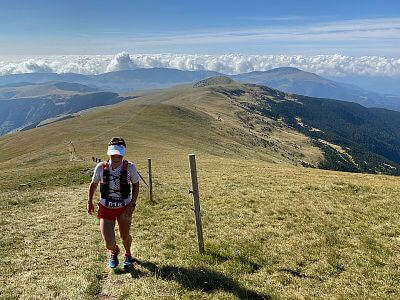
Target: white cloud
36, 66
121, 61
325, 65
28, 66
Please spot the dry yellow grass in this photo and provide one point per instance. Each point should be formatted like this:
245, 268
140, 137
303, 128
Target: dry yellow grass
272, 231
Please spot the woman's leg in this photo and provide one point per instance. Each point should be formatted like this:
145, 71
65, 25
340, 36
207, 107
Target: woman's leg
124, 224
107, 230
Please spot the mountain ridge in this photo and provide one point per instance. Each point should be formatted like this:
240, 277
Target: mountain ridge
288, 79
256, 121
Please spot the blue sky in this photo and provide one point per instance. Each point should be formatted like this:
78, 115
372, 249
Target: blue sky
44, 27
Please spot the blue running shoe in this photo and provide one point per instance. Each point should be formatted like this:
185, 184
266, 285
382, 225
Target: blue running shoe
113, 262
128, 261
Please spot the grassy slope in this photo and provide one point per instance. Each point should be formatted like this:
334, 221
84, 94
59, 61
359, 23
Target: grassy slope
271, 230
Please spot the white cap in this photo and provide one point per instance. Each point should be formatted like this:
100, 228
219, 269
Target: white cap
116, 150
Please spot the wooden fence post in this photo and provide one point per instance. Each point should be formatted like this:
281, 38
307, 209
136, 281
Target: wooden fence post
150, 181
196, 202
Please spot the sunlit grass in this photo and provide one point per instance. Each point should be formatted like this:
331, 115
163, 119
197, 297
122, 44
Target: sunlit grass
270, 231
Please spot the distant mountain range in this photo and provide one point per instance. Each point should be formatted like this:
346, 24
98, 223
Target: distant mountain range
28, 99
27, 105
48, 89
289, 80
378, 84
293, 80
119, 82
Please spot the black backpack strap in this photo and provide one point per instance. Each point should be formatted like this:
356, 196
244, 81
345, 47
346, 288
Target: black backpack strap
124, 184
104, 185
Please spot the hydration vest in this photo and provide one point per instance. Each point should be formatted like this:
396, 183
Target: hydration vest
125, 187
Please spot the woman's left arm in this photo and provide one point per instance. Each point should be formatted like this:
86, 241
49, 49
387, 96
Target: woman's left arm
135, 193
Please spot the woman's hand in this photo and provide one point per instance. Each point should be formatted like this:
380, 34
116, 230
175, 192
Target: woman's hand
129, 210
90, 207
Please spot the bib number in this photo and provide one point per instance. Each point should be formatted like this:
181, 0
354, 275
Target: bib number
115, 203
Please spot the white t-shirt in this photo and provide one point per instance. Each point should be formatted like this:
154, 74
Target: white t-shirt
114, 182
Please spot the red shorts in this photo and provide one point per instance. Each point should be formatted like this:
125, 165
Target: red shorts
109, 213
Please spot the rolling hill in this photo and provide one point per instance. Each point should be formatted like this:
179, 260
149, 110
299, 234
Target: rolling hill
352, 137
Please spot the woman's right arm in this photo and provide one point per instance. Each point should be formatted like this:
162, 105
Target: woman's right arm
92, 191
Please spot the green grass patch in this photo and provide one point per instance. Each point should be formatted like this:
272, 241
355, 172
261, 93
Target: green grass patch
93, 277
74, 174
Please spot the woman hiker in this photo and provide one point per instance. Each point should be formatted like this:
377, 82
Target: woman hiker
117, 200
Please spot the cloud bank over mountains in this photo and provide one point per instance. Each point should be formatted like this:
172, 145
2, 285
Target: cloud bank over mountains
325, 65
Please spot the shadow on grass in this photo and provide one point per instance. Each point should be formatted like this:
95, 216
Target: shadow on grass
197, 279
